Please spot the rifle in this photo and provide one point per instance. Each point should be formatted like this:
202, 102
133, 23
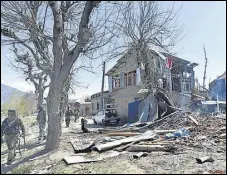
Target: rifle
19, 145
24, 141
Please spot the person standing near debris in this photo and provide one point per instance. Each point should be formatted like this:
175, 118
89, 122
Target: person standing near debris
67, 117
11, 127
41, 119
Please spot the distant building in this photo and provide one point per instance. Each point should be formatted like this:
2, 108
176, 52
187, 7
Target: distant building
218, 88
96, 100
73, 103
85, 109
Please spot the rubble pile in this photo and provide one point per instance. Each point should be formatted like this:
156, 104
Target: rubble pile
172, 133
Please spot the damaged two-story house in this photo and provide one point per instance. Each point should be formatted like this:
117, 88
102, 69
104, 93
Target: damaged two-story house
126, 78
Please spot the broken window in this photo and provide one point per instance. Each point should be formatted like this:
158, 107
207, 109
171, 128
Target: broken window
116, 82
186, 85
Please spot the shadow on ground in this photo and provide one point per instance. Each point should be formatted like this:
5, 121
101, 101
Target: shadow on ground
27, 147
6, 168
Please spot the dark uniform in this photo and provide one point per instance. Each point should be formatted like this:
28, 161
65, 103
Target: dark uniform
11, 127
41, 119
76, 115
67, 117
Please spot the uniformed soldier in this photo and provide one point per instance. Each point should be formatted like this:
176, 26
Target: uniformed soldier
11, 127
67, 117
41, 119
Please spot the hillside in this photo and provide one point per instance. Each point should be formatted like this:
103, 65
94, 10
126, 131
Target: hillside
7, 92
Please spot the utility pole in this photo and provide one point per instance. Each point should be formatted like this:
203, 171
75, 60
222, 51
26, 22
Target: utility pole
103, 78
204, 77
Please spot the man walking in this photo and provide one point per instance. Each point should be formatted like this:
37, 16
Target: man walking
41, 119
67, 117
11, 127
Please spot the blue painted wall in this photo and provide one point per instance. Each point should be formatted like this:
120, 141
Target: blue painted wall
218, 87
133, 111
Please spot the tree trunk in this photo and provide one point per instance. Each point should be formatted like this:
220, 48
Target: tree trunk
54, 119
61, 71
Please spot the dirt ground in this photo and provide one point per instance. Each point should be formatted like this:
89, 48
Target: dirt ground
154, 163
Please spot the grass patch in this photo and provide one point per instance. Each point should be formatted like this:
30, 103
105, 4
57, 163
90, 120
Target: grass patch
23, 169
29, 120
33, 123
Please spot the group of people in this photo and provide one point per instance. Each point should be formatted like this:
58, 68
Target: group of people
13, 125
68, 114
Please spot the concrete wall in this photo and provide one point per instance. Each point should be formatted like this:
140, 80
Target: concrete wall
123, 97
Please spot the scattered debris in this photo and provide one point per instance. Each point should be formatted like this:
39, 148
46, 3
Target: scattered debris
108, 139
193, 119
149, 135
174, 132
126, 134
90, 158
150, 148
122, 148
204, 159
140, 154
178, 134
223, 136
82, 144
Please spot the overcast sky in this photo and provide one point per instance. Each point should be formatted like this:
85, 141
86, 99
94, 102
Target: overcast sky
205, 24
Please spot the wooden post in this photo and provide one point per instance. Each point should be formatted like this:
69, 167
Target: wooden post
204, 77
103, 78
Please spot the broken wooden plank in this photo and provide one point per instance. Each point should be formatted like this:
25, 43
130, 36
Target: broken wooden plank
79, 159
86, 159
165, 131
193, 119
150, 148
145, 136
126, 134
158, 143
119, 130
124, 147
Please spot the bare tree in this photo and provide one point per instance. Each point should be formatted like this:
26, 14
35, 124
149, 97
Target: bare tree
57, 34
145, 25
25, 63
